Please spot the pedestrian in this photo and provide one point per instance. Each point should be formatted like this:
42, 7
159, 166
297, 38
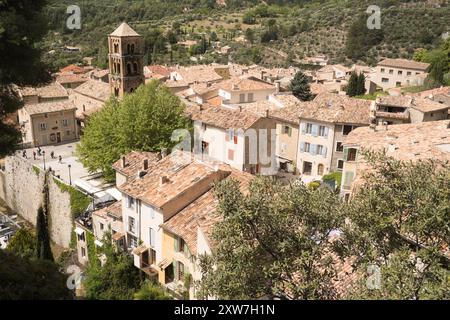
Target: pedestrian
39, 151
52, 155
34, 155
60, 159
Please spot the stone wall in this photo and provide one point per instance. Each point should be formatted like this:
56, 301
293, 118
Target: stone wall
21, 188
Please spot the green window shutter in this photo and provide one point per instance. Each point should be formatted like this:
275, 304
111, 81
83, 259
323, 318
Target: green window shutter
175, 269
176, 244
345, 154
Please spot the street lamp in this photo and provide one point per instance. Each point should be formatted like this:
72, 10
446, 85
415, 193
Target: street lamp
70, 176
43, 154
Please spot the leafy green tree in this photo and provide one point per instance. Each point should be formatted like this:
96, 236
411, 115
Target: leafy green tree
21, 26
250, 35
300, 87
352, 87
23, 244
213, 36
25, 279
273, 242
400, 222
117, 279
171, 37
360, 39
142, 121
151, 291
249, 18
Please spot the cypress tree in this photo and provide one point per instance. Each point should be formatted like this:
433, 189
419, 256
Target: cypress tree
361, 85
43, 250
352, 87
300, 87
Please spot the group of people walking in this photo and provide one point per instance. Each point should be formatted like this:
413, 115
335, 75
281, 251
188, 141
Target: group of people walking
39, 153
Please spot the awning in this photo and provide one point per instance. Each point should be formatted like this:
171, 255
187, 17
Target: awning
117, 236
164, 263
138, 251
79, 231
98, 243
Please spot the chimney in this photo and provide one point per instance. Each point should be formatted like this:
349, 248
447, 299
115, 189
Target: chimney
262, 74
123, 162
267, 113
145, 164
163, 180
385, 124
277, 87
240, 108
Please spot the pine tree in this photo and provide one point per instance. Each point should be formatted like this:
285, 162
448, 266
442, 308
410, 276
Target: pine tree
352, 87
300, 87
43, 250
361, 85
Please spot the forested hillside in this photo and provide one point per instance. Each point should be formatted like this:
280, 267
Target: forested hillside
297, 28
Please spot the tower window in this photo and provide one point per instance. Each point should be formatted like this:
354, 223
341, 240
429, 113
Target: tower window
132, 48
129, 68
135, 67
128, 48
116, 48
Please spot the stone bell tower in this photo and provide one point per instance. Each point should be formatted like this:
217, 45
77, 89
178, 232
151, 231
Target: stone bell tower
126, 55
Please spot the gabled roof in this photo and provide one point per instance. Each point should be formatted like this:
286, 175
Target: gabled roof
124, 30
201, 213
47, 107
245, 84
225, 118
334, 108
423, 140
404, 64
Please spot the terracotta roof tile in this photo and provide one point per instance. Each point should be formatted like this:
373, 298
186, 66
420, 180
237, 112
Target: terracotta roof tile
404, 64
225, 118
406, 141
201, 213
47, 107
134, 162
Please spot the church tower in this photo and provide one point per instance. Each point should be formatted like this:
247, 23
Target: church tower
126, 55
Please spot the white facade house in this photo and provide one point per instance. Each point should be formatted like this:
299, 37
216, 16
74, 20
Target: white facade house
391, 73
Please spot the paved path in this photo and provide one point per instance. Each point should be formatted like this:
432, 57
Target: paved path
61, 169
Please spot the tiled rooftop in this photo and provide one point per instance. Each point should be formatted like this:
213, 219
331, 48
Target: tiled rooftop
225, 118
134, 162
201, 213
245, 84
47, 107
53, 90
406, 141
169, 178
124, 30
95, 89
404, 64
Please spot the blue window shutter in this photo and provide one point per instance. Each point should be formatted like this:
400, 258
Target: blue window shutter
302, 147
303, 125
324, 151
313, 149
326, 132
